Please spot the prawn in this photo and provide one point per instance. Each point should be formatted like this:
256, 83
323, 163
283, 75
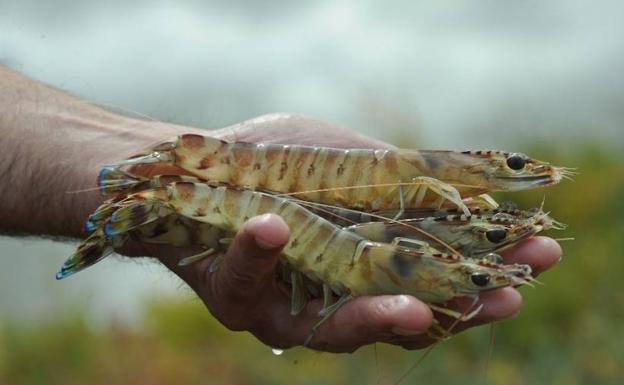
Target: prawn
363, 179
482, 232
342, 262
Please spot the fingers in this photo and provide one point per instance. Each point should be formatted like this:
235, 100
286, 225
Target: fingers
247, 272
541, 253
243, 295
250, 261
363, 321
497, 305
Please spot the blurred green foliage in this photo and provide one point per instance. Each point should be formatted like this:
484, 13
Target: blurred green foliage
568, 332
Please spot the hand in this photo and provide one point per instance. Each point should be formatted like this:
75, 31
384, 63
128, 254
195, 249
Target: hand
53, 144
244, 295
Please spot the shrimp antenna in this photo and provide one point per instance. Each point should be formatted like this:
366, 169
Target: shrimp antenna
489, 353
83, 190
394, 184
430, 348
378, 372
564, 239
328, 211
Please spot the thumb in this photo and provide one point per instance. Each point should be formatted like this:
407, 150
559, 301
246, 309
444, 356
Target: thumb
250, 261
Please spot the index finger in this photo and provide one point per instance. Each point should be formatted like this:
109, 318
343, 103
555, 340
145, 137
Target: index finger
540, 252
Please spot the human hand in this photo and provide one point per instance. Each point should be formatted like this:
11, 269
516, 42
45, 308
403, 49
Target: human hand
54, 144
244, 294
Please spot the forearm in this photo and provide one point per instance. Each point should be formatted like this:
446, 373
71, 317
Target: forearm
53, 144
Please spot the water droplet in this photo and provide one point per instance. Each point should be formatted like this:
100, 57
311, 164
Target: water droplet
277, 352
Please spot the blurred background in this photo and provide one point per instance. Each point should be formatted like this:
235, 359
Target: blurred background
543, 78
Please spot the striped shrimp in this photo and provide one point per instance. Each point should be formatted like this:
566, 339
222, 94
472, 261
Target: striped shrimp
343, 262
483, 231
472, 236
505, 211
364, 179
173, 230
124, 184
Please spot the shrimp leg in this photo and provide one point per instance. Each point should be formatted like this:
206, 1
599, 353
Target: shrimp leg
298, 296
326, 313
196, 257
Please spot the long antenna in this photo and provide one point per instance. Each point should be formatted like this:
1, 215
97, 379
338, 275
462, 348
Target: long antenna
489, 353
430, 348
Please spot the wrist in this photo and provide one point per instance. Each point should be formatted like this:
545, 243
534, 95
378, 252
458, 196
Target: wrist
123, 137
54, 145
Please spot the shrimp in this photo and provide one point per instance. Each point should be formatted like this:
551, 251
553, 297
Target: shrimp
484, 231
342, 261
364, 179
472, 236
125, 183
505, 211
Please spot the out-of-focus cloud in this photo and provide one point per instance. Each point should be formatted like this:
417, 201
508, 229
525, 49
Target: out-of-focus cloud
455, 69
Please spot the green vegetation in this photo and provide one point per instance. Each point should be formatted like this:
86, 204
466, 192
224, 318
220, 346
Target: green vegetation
568, 333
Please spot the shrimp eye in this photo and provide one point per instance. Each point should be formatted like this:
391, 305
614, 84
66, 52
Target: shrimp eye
496, 235
516, 162
480, 279
494, 258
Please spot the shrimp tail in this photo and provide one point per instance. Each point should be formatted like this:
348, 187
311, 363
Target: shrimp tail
131, 216
113, 180
93, 250
98, 217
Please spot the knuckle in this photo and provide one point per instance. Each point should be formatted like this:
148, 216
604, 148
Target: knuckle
242, 290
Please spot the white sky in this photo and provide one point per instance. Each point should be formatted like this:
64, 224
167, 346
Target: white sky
459, 73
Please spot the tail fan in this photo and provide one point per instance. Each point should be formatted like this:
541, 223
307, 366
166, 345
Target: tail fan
92, 250
99, 216
132, 216
112, 180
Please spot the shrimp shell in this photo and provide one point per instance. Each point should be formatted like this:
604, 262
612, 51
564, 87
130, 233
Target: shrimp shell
325, 253
367, 179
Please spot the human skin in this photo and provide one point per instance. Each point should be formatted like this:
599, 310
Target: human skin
53, 143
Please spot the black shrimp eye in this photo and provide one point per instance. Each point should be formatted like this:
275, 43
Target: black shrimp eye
496, 235
516, 162
480, 279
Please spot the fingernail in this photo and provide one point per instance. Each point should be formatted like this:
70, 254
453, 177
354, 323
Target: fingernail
264, 239
406, 332
266, 244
